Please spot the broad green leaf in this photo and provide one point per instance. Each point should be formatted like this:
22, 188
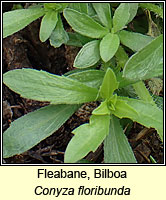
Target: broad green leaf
116, 146
123, 82
142, 65
59, 36
133, 11
155, 72
77, 71
104, 13
91, 78
48, 24
134, 41
84, 24
87, 138
16, 20
80, 7
88, 55
29, 130
121, 17
109, 84
109, 46
43, 86
145, 113
102, 109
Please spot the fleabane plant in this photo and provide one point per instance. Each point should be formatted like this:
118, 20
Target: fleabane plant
107, 32
51, 24
68, 92
104, 122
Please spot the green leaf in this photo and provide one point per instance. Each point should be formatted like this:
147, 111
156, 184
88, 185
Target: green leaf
116, 146
144, 113
87, 138
108, 46
121, 17
109, 84
124, 110
59, 36
43, 86
88, 55
104, 13
48, 24
102, 109
142, 65
134, 41
16, 20
156, 72
29, 130
84, 24
80, 7
91, 78
133, 11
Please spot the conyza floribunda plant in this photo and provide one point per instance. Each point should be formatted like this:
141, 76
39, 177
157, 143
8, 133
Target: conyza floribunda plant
51, 24
68, 92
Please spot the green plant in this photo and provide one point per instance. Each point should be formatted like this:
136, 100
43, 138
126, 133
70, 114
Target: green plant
118, 86
51, 24
107, 30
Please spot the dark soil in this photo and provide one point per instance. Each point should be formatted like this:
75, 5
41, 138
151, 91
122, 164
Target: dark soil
24, 50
